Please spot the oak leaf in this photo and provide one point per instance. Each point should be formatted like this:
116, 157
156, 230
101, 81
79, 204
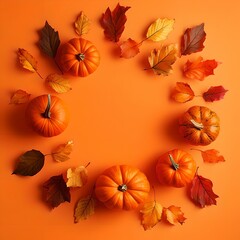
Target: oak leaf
161, 61
160, 29
193, 39
49, 40
28, 61
84, 208
55, 191
129, 48
30, 163
182, 92
19, 97
151, 214
173, 215
199, 69
215, 93
81, 24
77, 177
201, 191
211, 156
58, 83
62, 152
113, 22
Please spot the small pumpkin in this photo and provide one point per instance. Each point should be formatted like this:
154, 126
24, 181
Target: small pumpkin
47, 115
78, 57
175, 168
199, 125
122, 187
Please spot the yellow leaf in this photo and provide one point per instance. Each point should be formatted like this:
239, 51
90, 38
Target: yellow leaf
151, 214
77, 177
19, 97
27, 61
159, 30
82, 24
174, 215
62, 152
58, 83
161, 60
84, 209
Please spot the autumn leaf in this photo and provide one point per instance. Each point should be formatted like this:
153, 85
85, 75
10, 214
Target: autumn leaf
28, 61
55, 191
211, 156
161, 61
151, 214
201, 191
173, 215
199, 69
62, 152
81, 24
84, 209
160, 29
193, 39
19, 97
129, 48
77, 177
30, 163
214, 94
113, 22
58, 83
182, 92
49, 40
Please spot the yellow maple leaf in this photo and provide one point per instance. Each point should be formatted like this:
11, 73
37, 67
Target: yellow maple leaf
77, 177
82, 24
160, 29
84, 209
151, 214
27, 61
174, 215
58, 83
161, 60
62, 152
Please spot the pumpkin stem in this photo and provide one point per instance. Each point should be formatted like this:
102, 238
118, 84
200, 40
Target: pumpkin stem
122, 188
174, 164
47, 113
198, 126
80, 56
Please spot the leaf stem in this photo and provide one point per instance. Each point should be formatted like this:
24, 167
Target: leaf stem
39, 74
87, 164
58, 66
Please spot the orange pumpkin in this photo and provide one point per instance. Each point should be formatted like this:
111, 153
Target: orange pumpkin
175, 168
122, 187
78, 57
199, 125
47, 115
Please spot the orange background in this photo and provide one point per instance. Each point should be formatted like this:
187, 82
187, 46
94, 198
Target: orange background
119, 115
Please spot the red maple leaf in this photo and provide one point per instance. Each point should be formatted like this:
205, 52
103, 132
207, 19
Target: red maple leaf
214, 94
193, 39
113, 22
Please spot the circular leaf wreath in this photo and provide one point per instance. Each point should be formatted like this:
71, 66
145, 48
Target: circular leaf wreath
123, 186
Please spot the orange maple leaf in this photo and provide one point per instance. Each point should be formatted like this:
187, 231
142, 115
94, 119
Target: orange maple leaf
19, 97
182, 92
173, 215
129, 48
199, 69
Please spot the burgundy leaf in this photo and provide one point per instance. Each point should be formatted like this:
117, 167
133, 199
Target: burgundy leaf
214, 94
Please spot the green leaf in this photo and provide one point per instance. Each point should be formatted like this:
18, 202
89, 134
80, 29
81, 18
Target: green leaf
55, 191
49, 41
30, 163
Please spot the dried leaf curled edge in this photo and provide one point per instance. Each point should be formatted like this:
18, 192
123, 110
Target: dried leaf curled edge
173, 215
58, 83
82, 24
19, 97
84, 209
62, 152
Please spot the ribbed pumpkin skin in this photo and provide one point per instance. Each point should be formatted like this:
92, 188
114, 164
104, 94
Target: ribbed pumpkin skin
204, 116
70, 62
168, 175
47, 127
107, 187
